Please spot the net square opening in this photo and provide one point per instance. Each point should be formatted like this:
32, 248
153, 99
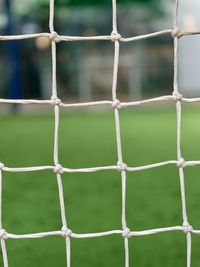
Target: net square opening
103, 251
93, 201
153, 198
30, 140
87, 133
166, 249
148, 134
31, 202
49, 251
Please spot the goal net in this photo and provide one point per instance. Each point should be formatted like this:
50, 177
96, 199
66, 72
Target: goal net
120, 166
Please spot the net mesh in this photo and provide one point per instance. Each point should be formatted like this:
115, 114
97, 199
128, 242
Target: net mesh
176, 97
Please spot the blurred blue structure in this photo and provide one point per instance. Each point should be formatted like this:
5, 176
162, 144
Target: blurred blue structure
13, 50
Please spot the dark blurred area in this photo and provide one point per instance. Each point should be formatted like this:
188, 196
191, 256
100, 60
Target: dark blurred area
145, 67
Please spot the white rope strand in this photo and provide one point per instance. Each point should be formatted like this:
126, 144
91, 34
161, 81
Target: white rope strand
62, 169
1, 167
128, 233
68, 38
179, 157
178, 96
116, 105
56, 103
4, 252
2, 231
101, 103
114, 16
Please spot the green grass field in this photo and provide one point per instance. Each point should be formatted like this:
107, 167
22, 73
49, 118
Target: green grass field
93, 201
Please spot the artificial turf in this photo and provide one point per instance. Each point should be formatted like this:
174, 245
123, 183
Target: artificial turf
93, 200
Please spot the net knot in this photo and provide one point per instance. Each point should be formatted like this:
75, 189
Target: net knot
58, 169
1, 166
177, 96
115, 36
3, 234
121, 166
181, 163
126, 233
187, 228
55, 101
54, 37
176, 33
66, 232
116, 104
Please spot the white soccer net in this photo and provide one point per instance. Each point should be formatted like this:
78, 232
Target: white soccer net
120, 166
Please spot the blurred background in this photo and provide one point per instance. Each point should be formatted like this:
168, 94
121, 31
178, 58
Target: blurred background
81, 65
87, 135
145, 67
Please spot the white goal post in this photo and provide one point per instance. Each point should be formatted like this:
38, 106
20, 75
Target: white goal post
120, 166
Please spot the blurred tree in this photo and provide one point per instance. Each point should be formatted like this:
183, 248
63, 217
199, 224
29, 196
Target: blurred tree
95, 2
43, 3
33, 5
